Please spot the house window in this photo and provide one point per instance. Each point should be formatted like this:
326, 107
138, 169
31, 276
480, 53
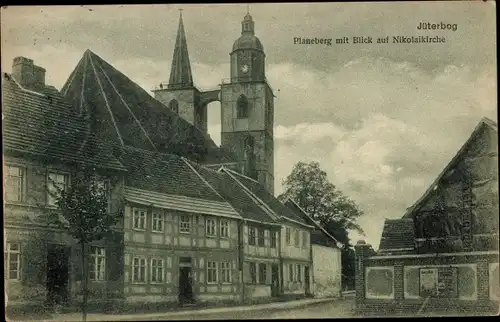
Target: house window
13, 261
304, 239
274, 239
139, 219
139, 270
261, 238
211, 272
225, 272
299, 273
57, 182
185, 224
262, 273
14, 184
97, 271
157, 270
224, 228
291, 277
253, 273
210, 227
251, 236
287, 235
297, 238
157, 222
242, 107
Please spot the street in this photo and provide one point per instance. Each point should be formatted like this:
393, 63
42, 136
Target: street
334, 309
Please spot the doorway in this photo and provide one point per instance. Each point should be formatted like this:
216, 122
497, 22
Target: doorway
185, 281
275, 284
57, 273
307, 281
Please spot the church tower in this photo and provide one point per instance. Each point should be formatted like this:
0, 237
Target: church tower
247, 108
181, 95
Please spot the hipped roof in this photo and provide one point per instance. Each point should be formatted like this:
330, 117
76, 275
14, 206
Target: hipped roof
122, 111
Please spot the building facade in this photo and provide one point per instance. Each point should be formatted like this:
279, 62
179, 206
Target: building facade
44, 146
194, 228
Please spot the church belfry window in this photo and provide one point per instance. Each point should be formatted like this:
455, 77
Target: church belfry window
242, 107
174, 106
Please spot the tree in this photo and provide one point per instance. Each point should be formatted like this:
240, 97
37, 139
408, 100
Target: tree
310, 188
83, 214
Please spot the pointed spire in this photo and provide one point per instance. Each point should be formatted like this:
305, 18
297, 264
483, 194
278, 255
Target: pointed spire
180, 73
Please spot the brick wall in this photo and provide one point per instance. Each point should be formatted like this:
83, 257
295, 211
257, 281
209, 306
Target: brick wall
399, 305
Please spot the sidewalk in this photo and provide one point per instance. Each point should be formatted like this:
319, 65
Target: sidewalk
173, 315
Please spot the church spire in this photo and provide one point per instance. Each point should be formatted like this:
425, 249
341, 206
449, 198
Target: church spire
180, 73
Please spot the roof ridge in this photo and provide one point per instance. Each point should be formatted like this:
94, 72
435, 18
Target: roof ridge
201, 177
450, 164
253, 196
105, 98
240, 174
126, 105
25, 89
314, 221
490, 122
209, 185
69, 81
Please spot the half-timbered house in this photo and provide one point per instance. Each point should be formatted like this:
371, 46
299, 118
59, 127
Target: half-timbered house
189, 233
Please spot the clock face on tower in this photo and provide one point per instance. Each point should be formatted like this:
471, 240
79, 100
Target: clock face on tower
244, 68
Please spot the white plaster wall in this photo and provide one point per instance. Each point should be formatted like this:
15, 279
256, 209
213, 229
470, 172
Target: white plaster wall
300, 252
327, 275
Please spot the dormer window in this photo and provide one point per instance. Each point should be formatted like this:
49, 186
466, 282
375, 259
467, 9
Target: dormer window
242, 107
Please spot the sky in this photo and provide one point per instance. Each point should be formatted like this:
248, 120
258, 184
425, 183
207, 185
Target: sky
382, 120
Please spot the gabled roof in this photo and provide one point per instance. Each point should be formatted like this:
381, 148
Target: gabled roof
485, 122
125, 113
233, 193
398, 236
180, 73
42, 124
164, 173
260, 192
292, 205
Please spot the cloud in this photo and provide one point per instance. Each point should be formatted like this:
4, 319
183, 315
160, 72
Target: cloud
381, 120
398, 128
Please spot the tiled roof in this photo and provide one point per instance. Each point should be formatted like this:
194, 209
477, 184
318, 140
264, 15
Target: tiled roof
43, 125
124, 112
398, 236
233, 193
180, 203
260, 192
164, 173
319, 235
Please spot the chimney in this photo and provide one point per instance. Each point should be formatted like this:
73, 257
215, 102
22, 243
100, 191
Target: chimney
27, 74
